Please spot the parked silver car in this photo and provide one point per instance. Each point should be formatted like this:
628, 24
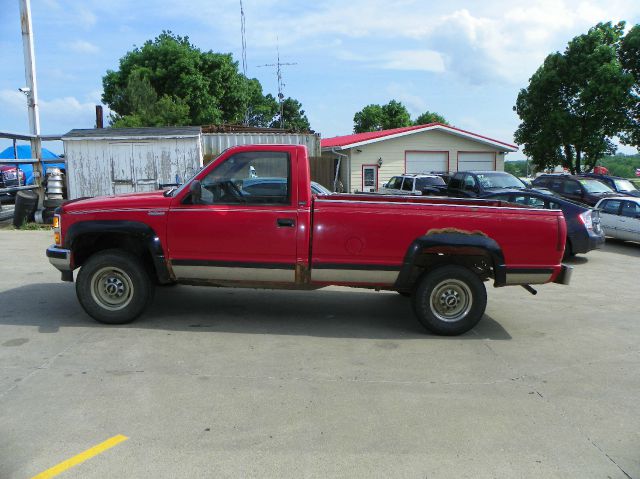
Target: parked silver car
620, 217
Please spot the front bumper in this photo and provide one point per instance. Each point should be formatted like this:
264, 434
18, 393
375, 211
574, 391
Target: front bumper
564, 276
60, 258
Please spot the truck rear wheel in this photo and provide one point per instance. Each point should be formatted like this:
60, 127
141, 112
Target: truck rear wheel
450, 300
113, 287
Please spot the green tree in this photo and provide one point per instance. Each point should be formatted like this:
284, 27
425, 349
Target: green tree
392, 115
395, 115
576, 102
147, 109
206, 87
430, 117
370, 118
630, 59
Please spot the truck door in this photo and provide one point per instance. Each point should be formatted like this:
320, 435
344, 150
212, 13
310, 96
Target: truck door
237, 234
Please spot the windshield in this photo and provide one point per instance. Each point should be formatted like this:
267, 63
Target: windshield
178, 190
624, 185
499, 180
594, 186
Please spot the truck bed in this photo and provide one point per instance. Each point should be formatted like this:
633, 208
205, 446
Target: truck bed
364, 238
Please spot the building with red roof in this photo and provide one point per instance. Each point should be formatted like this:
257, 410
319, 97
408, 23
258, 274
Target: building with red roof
365, 161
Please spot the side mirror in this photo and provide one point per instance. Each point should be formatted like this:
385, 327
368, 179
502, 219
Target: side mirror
195, 188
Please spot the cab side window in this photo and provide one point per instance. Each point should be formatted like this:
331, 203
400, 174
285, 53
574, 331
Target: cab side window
408, 184
456, 181
257, 177
469, 183
571, 187
630, 209
530, 201
395, 183
611, 207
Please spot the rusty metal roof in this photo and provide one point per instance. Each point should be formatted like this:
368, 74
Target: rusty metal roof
110, 133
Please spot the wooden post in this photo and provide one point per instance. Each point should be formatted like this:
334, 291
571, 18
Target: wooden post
32, 93
99, 117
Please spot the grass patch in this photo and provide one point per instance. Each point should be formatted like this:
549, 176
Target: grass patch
35, 227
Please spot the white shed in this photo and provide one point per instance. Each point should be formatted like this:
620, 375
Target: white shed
108, 161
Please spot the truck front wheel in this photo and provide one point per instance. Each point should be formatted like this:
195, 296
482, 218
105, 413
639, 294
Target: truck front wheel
450, 300
113, 287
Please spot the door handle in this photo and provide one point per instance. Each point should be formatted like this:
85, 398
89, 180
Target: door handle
286, 222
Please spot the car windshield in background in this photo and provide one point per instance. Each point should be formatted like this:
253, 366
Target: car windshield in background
318, 189
594, 186
499, 180
624, 185
433, 181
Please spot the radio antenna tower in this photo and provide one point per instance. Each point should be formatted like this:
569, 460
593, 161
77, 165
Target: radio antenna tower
244, 57
281, 84
244, 40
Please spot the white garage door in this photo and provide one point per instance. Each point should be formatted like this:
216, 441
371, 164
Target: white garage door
426, 161
476, 161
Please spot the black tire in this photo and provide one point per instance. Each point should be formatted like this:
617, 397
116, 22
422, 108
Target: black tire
113, 287
568, 250
52, 203
47, 216
450, 300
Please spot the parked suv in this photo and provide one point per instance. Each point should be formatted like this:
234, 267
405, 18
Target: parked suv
472, 184
409, 184
616, 183
576, 188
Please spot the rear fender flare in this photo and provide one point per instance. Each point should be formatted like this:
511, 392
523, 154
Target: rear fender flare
452, 242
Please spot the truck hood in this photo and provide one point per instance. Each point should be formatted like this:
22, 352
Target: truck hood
146, 200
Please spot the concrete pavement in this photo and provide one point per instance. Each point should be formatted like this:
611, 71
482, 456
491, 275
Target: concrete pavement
332, 383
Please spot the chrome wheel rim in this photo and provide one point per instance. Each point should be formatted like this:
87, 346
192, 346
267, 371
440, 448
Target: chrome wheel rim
451, 300
112, 288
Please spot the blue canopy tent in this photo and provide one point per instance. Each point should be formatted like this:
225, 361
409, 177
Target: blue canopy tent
24, 153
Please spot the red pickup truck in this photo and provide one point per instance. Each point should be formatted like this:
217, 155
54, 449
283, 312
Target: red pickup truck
249, 219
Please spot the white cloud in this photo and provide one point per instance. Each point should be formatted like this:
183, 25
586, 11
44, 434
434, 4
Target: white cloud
82, 46
503, 40
402, 92
57, 115
417, 60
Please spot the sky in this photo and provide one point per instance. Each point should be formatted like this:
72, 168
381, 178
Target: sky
464, 59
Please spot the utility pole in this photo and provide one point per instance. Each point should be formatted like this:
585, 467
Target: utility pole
278, 66
31, 91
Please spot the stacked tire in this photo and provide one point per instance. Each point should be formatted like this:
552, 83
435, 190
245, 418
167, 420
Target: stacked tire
55, 191
25, 207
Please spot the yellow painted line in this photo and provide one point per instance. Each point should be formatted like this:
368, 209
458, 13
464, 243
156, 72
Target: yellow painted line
80, 458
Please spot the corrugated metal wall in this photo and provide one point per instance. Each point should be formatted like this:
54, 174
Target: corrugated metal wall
215, 143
